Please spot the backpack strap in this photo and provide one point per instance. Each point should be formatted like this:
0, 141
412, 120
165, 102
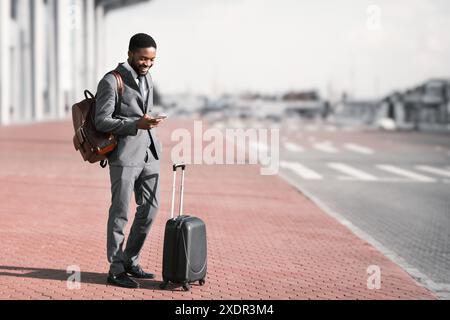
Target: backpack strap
120, 89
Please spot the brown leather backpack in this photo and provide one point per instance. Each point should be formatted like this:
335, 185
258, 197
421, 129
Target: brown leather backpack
92, 144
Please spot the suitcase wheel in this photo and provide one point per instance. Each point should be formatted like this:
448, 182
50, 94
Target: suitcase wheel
186, 287
202, 282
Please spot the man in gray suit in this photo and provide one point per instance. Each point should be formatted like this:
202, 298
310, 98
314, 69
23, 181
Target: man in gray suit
134, 164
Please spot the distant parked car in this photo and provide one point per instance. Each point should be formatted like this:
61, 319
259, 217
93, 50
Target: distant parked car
387, 124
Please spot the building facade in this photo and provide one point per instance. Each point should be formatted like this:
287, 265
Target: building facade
50, 51
424, 106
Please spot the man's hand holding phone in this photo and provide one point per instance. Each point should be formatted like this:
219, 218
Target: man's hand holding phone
147, 122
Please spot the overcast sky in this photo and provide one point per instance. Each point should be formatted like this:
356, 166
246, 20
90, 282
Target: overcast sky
212, 46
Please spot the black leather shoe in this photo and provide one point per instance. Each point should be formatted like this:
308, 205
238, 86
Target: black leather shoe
122, 280
137, 272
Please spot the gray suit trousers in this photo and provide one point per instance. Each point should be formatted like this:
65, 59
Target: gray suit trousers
144, 181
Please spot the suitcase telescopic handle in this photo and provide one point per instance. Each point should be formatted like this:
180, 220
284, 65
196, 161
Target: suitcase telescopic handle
183, 168
176, 166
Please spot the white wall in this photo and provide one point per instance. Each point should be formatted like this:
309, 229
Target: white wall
4, 62
49, 55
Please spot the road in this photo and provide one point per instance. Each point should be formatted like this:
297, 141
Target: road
391, 188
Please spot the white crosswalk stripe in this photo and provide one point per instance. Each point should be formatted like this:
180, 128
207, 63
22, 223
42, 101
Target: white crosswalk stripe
311, 128
325, 147
293, 147
354, 174
405, 173
352, 171
437, 171
358, 148
301, 170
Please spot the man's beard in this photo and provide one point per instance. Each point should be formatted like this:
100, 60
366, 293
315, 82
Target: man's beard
140, 70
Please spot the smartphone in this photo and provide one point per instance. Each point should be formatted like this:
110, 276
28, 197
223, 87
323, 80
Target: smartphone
155, 119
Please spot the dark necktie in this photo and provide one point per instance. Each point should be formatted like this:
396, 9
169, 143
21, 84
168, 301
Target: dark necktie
142, 87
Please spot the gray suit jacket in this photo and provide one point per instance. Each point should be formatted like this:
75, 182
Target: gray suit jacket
132, 143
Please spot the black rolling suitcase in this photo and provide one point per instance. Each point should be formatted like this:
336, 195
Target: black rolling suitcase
185, 249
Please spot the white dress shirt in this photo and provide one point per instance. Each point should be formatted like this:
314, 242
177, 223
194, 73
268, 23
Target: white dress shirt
136, 77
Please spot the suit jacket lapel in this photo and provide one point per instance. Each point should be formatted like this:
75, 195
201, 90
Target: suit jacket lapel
129, 81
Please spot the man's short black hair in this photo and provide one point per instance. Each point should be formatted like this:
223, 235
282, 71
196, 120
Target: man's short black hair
140, 41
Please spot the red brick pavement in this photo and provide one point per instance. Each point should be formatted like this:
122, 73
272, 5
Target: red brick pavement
265, 239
